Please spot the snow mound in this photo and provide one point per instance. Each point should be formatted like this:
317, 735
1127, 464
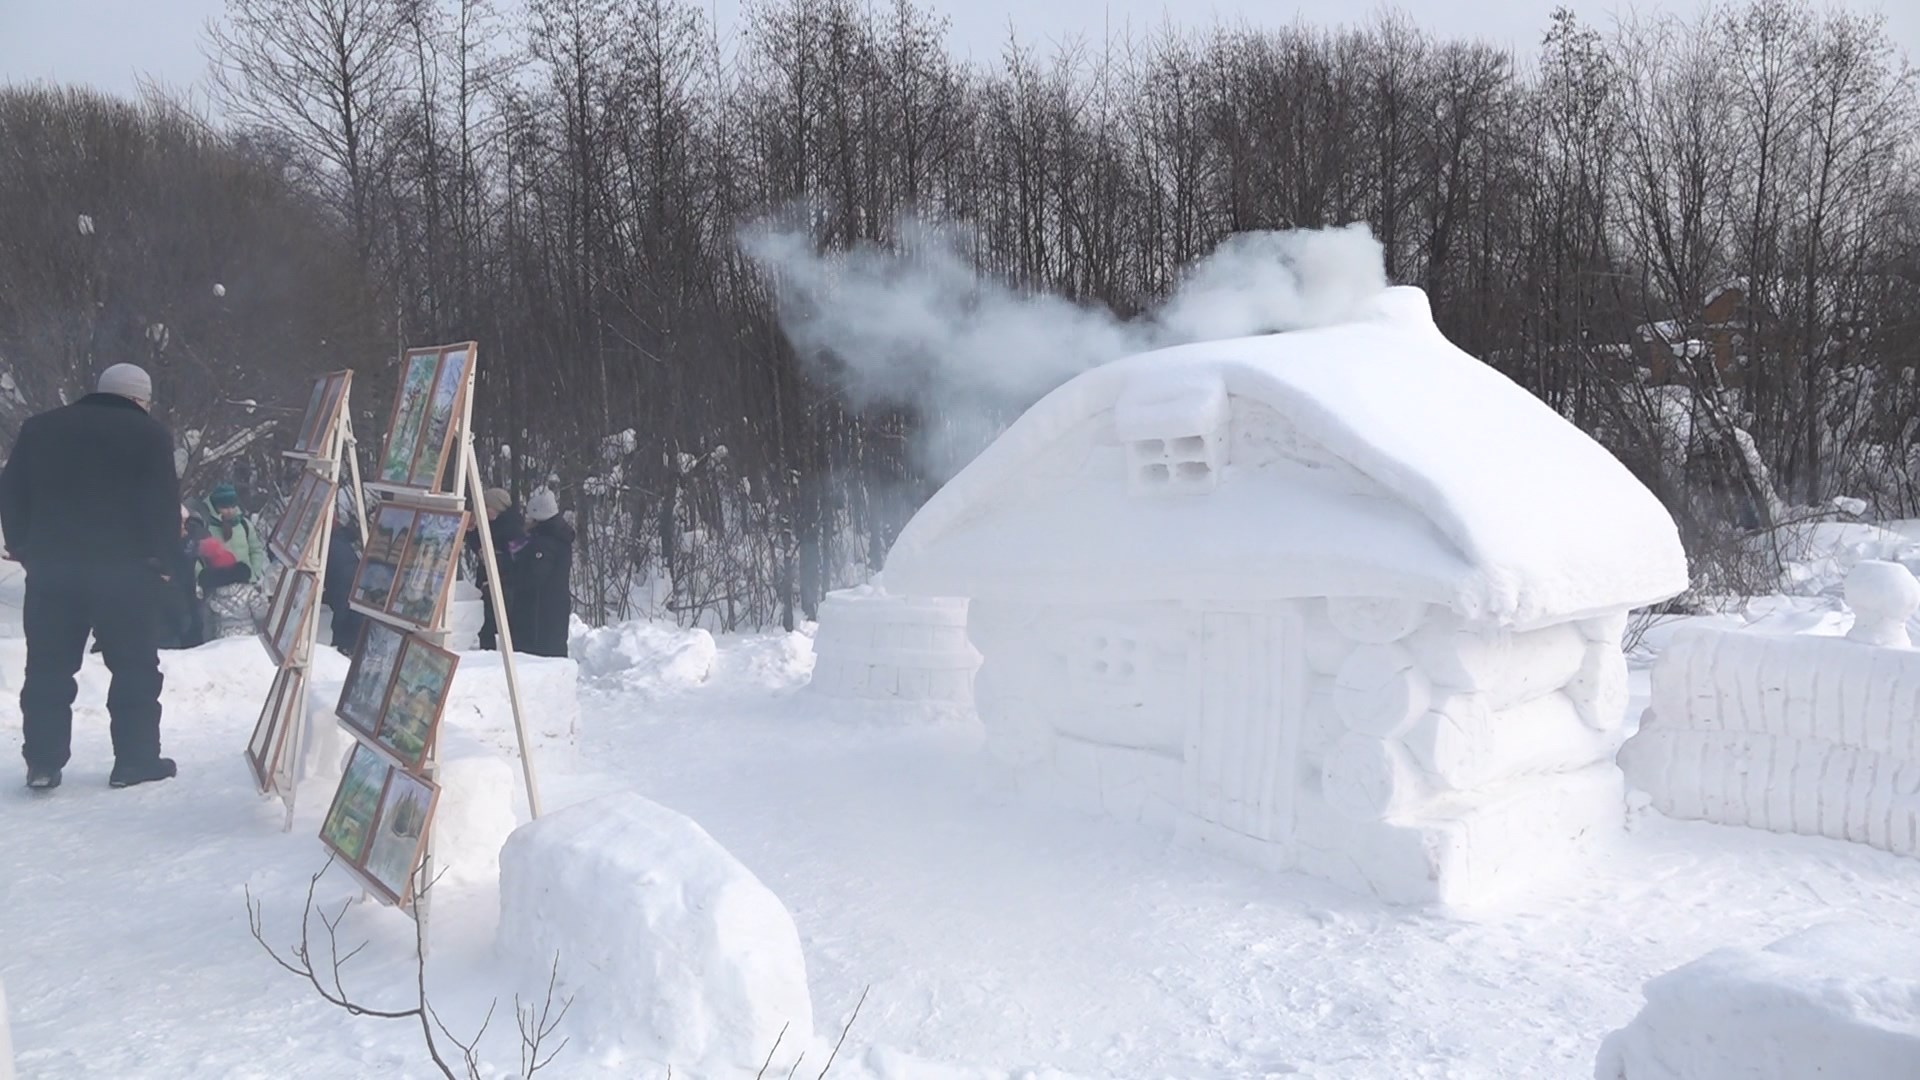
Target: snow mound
1816, 557
1841, 1000
672, 950
885, 1063
6, 1044
647, 657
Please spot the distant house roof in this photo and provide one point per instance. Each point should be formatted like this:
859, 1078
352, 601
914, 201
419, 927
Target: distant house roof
1474, 494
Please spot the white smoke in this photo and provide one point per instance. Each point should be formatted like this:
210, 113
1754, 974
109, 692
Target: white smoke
916, 325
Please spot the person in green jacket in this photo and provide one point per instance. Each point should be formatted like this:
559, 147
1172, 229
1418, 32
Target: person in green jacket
234, 529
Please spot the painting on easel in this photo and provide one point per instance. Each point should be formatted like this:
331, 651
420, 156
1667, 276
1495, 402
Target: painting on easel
420, 431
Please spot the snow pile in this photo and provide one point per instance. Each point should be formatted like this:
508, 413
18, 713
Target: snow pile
885, 1063
646, 657
1841, 1000
482, 800
673, 951
1817, 556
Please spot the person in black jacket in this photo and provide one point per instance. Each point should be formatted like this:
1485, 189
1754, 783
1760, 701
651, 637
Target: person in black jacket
509, 531
90, 506
544, 569
336, 586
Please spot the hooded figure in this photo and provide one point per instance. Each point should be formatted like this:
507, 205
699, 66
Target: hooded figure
544, 565
509, 531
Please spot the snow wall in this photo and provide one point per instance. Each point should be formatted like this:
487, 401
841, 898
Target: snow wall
1381, 743
1837, 1001
874, 647
1818, 736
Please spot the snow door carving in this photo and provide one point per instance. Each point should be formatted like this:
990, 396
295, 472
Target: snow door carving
1243, 739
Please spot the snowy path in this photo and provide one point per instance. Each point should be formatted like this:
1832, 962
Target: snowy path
993, 932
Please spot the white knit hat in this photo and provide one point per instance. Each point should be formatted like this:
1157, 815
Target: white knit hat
128, 381
543, 506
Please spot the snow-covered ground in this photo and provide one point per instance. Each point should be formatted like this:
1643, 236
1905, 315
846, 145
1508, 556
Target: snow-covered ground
995, 935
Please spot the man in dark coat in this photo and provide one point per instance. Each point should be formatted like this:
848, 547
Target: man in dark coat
544, 567
509, 531
90, 505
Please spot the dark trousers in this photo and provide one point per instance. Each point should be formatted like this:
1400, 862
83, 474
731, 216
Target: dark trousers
489, 627
118, 603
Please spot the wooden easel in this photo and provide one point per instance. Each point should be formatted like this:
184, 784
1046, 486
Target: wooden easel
468, 491
340, 444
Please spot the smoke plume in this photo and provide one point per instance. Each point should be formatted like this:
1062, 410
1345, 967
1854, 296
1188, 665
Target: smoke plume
916, 325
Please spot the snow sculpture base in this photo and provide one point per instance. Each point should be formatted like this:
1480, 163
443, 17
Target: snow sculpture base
674, 953
875, 647
482, 801
466, 611
1386, 746
1839, 1000
1811, 735
549, 687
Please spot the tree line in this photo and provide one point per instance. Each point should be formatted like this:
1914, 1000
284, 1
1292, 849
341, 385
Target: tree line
568, 186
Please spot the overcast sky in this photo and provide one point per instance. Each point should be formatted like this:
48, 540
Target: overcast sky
108, 42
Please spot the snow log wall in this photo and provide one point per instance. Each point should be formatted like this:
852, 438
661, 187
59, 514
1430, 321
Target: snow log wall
876, 647
1379, 743
1812, 735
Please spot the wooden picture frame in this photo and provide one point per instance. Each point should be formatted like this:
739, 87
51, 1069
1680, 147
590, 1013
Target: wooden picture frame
416, 699
348, 827
323, 411
387, 538
288, 541
399, 839
264, 623
269, 739
428, 567
412, 400
378, 823
444, 404
427, 405
363, 697
303, 592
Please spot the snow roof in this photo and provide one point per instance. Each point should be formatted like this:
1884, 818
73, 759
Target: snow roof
1477, 495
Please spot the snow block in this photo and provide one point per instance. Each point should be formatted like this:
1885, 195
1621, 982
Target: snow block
872, 646
549, 691
1818, 736
646, 657
482, 800
672, 951
1841, 1000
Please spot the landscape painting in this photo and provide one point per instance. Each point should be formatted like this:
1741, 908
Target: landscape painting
414, 703
399, 836
349, 822
380, 563
409, 416
449, 390
365, 690
428, 566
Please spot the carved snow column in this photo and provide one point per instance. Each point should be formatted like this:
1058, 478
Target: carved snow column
878, 647
1464, 753
1379, 692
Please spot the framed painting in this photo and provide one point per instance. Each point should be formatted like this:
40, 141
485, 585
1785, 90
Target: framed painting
284, 540
276, 614
269, 740
348, 826
426, 569
411, 403
313, 516
399, 839
300, 591
323, 411
411, 717
265, 621
387, 542
364, 694
436, 436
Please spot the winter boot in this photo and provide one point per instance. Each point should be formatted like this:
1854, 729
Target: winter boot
42, 779
144, 772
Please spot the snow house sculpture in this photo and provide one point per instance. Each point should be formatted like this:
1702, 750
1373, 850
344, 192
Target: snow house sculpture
1345, 600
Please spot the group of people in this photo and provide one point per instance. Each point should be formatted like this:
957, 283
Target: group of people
534, 554
91, 509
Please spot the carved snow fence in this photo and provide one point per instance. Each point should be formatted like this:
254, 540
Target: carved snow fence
1342, 600
1818, 736
893, 649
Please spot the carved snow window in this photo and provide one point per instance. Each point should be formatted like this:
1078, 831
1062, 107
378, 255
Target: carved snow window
1108, 664
1175, 428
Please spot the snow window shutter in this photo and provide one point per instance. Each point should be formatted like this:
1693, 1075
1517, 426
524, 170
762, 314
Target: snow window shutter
1174, 426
